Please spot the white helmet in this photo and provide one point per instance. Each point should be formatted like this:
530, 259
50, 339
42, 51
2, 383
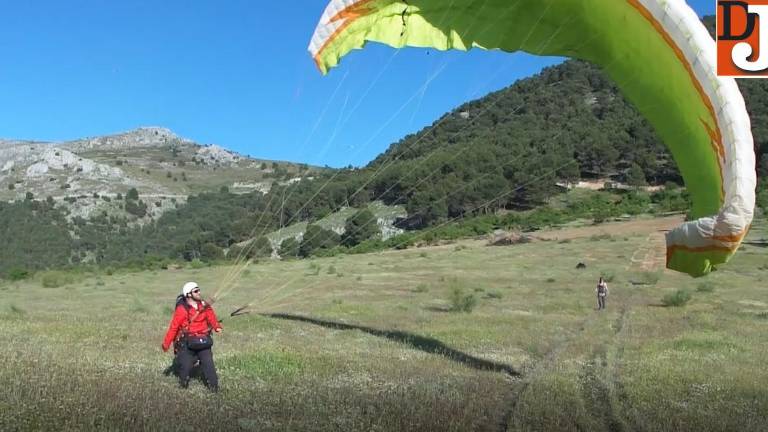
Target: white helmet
188, 287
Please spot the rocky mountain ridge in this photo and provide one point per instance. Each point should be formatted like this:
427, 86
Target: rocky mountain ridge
87, 174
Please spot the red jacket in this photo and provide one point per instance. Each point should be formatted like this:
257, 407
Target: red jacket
187, 319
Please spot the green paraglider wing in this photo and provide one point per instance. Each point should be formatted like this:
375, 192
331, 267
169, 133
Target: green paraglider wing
658, 53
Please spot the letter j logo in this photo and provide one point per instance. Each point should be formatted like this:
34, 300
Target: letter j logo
742, 38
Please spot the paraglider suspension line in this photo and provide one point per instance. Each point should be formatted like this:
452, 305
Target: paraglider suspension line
402, 16
239, 311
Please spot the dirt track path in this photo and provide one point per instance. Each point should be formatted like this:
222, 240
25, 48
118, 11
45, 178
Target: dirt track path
637, 226
655, 227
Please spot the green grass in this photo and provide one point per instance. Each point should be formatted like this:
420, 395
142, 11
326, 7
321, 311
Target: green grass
374, 351
16, 310
56, 279
678, 298
262, 365
647, 278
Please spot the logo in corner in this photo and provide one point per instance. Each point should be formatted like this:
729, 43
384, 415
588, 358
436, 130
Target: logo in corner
742, 38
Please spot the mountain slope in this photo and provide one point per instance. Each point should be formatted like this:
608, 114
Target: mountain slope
87, 175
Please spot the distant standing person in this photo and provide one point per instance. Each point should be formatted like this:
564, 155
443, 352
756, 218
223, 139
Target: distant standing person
602, 293
190, 333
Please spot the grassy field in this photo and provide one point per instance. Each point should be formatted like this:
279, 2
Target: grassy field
370, 342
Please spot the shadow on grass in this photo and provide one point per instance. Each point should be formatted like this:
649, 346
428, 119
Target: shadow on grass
422, 343
441, 309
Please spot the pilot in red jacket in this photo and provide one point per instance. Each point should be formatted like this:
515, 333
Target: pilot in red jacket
189, 331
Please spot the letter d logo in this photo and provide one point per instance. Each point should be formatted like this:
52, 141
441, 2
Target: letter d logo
742, 38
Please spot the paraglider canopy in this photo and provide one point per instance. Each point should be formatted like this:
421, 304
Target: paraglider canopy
658, 53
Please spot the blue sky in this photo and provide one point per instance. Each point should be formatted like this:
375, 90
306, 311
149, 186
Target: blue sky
234, 73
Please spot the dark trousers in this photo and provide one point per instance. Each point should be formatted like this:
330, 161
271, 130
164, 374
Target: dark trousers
601, 302
186, 359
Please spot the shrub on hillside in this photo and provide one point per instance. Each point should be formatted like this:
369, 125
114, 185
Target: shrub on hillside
235, 252
367, 246
17, 274
317, 238
649, 278
211, 252
56, 279
136, 208
132, 195
671, 200
609, 276
359, 227
261, 248
677, 298
495, 295
289, 248
706, 287
196, 264
460, 300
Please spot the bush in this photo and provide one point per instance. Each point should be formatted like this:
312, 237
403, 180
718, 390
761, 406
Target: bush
56, 279
359, 227
314, 269
329, 253
132, 195
211, 252
671, 200
421, 288
317, 238
260, 248
677, 298
17, 274
196, 264
136, 208
494, 295
706, 287
649, 278
609, 276
460, 300
289, 248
